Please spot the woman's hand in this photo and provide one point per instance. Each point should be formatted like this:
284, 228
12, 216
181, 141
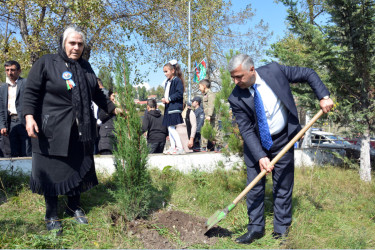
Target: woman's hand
31, 126
191, 142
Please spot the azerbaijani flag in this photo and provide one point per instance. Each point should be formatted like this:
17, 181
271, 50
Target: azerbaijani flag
196, 75
202, 70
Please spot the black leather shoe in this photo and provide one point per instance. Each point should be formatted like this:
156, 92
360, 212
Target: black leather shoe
249, 237
54, 223
79, 215
277, 236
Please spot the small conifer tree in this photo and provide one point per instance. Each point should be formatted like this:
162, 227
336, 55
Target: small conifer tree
232, 136
208, 131
133, 181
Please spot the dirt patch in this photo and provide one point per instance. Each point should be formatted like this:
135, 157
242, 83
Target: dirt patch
175, 229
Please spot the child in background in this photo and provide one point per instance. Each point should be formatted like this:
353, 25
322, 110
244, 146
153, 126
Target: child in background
209, 111
187, 129
173, 100
152, 124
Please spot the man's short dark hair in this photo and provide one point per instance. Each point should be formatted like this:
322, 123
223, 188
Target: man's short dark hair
11, 63
151, 103
206, 83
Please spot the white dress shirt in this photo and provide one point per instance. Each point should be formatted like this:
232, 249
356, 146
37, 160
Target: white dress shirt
276, 112
12, 95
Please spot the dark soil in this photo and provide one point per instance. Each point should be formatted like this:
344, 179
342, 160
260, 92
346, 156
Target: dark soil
175, 229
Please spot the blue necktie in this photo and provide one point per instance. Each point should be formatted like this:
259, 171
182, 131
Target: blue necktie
264, 131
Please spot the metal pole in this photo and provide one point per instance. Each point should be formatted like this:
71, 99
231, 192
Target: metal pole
189, 59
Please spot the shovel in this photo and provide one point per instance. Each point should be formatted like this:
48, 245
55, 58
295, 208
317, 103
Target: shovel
221, 214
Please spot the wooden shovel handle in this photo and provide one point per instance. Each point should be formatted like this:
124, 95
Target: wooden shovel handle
278, 156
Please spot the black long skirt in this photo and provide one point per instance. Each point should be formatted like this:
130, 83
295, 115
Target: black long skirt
57, 175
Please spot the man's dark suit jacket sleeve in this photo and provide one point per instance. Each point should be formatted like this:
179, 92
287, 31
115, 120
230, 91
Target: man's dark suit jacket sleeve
248, 131
306, 75
3, 107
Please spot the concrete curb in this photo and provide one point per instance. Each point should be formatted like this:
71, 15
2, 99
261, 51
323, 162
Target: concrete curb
206, 162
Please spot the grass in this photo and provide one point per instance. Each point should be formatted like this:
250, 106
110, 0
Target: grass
332, 208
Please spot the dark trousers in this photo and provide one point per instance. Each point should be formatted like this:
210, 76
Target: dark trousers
283, 180
20, 143
156, 147
197, 141
5, 146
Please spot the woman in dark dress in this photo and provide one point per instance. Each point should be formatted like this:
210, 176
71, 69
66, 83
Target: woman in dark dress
61, 124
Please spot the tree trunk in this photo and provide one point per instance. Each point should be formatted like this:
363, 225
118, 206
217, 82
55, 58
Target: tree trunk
365, 163
306, 143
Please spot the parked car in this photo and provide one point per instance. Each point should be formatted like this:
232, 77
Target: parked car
323, 139
355, 141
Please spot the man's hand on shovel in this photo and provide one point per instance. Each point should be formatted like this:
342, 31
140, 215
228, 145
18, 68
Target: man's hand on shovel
264, 164
326, 104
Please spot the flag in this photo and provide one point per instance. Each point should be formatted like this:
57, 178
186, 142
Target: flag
202, 70
196, 75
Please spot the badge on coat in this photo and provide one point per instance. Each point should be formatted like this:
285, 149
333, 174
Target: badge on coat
67, 76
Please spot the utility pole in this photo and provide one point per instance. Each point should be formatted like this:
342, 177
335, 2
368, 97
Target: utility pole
189, 58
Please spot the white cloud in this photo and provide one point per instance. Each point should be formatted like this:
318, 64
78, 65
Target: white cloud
145, 84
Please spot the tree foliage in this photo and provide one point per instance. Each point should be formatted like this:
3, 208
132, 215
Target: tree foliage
342, 51
148, 31
158, 91
106, 77
142, 93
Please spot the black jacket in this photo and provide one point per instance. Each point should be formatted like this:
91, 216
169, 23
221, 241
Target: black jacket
153, 125
4, 102
107, 137
199, 113
46, 98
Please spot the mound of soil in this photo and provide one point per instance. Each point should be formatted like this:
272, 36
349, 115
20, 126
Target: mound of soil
175, 229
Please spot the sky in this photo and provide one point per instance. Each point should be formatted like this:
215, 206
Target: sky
272, 13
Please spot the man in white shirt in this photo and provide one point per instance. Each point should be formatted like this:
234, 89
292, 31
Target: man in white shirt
267, 117
12, 122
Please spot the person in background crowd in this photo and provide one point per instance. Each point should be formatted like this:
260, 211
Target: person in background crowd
209, 111
59, 119
12, 122
267, 118
187, 130
199, 114
152, 124
101, 86
4, 140
96, 115
173, 100
107, 137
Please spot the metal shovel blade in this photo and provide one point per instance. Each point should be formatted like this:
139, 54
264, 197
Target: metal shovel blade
218, 216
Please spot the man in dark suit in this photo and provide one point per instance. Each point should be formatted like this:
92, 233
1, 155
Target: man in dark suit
267, 117
12, 122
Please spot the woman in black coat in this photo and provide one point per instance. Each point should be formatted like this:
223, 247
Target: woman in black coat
61, 124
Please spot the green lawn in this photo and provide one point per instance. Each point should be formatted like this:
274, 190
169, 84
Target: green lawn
332, 208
